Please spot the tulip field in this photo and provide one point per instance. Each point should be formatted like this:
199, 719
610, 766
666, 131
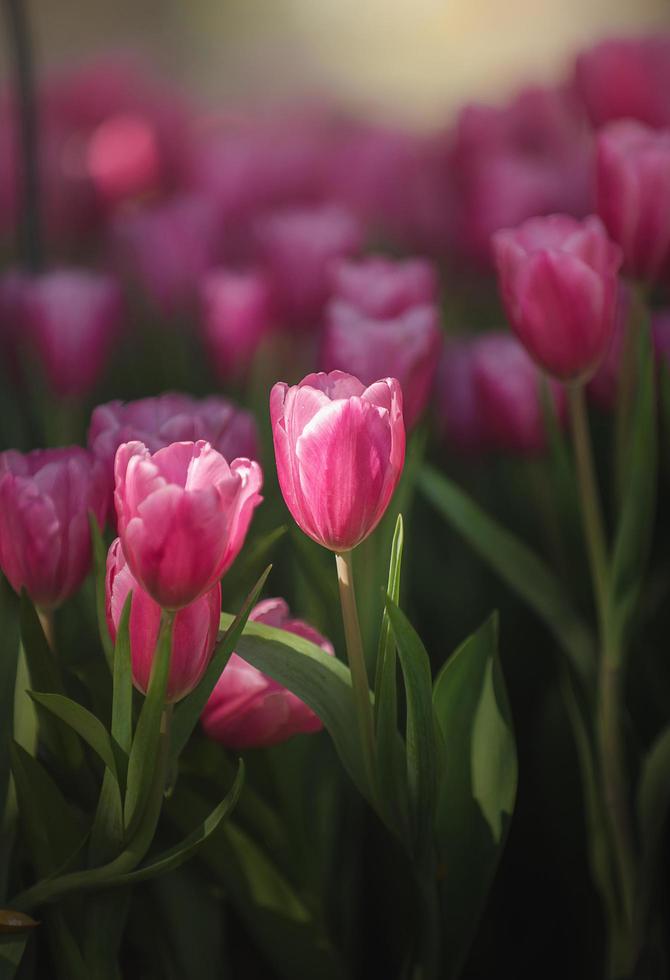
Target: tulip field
334, 579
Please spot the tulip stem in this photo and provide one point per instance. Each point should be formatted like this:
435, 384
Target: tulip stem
30, 234
609, 695
356, 655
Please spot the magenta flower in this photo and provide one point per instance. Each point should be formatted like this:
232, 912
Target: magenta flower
340, 449
558, 280
183, 514
45, 499
633, 184
236, 315
383, 288
507, 390
459, 415
72, 317
158, 422
247, 709
194, 633
299, 246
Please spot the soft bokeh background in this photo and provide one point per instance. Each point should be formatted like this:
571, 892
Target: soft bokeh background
412, 59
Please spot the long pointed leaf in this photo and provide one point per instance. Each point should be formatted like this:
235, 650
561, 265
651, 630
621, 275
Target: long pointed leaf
99, 570
80, 720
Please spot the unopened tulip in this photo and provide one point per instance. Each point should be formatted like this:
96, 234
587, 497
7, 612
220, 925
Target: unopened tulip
160, 421
247, 709
45, 499
340, 449
183, 514
558, 280
633, 186
507, 387
194, 631
380, 288
236, 315
72, 317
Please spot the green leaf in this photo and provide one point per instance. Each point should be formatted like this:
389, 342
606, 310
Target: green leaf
107, 831
653, 804
141, 764
421, 753
188, 713
45, 675
516, 564
80, 720
477, 788
100, 572
636, 520
9, 657
122, 694
321, 681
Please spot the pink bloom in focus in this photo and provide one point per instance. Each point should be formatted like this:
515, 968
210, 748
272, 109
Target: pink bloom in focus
457, 405
298, 247
195, 628
558, 281
633, 184
340, 449
45, 499
73, 317
507, 389
247, 709
236, 315
183, 514
626, 78
158, 422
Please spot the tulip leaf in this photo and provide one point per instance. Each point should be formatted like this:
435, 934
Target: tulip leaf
143, 753
122, 693
421, 750
188, 713
636, 519
9, 657
45, 675
477, 789
321, 681
100, 572
653, 805
81, 721
516, 564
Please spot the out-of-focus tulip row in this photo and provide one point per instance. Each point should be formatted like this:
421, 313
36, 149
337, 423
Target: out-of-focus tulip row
328, 291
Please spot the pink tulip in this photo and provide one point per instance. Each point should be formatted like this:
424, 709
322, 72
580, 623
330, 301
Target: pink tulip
382, 288
158, 422
558, 280
603, 388
507, 389
183, 514
72, 316
299, 247
626, 78
340, 449
45, 499
633, 184
405, 346
458, 409
194, 632
247, 709
236, 315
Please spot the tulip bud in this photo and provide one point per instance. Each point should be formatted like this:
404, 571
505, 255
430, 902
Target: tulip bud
183, 514
507, 390
247, 709
194, 632
236, 316
72, 316
45, 499
633, 186
558, 280
340, 449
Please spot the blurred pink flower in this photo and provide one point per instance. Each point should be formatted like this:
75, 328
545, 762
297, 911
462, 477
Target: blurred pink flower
236, 314
459, 417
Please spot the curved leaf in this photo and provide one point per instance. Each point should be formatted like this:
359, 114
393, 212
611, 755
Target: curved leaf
81, 721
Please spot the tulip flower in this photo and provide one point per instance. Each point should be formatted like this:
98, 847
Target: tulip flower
158, 422
183, 514
45, 499
458, 410
603, 388
558, 280
340, 449
381, 288
72, 317
633, 185
247, 709
193, 635
236, 315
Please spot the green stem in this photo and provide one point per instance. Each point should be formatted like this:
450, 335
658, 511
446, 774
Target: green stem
608, 720
359, 674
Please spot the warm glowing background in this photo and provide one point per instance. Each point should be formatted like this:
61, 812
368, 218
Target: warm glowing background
411, 58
